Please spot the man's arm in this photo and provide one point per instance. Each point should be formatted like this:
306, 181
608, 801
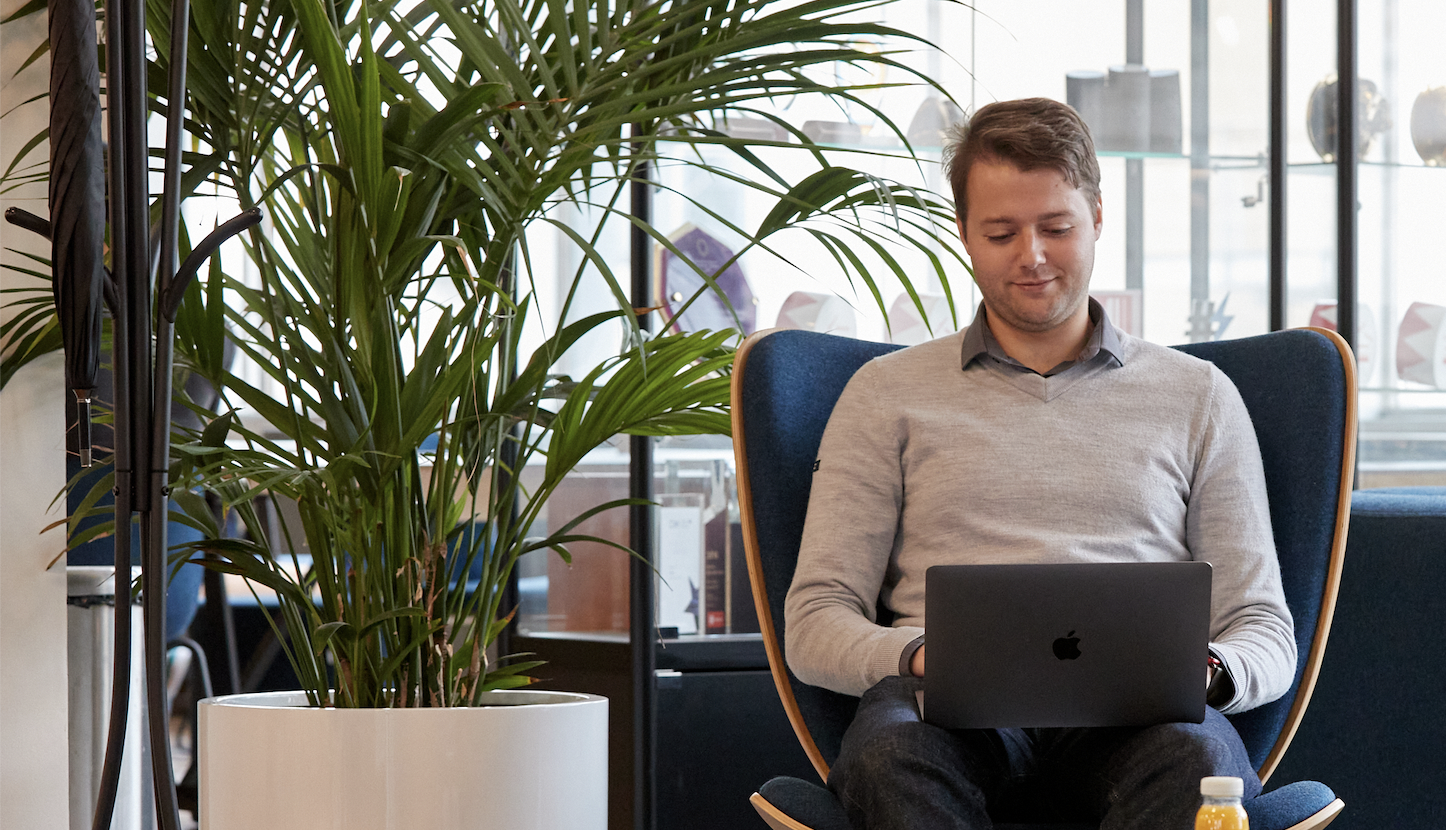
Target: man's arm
833, 639
1228, 525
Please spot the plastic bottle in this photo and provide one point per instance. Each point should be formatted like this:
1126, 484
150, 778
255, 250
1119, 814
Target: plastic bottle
1220, 807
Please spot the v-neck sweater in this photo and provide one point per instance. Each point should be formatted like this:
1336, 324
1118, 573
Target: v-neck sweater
1144, 456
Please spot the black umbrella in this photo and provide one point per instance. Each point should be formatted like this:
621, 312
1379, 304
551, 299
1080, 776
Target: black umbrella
77, 200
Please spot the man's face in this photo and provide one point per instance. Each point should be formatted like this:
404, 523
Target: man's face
1031, 238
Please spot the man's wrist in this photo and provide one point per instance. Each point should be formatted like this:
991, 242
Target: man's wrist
1221, 687
906, 659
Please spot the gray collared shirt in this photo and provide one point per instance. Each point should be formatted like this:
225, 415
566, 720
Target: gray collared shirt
979, 344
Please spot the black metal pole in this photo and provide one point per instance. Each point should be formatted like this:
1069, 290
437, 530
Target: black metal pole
642, 616
1135, 167
133, 277
121, 373
1277, 162
1200, 312
1347, 193
154, 517
131, 244
1135, 31
154, 572
507, 455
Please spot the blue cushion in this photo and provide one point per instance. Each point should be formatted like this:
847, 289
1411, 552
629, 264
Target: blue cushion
1288, 806
806, 803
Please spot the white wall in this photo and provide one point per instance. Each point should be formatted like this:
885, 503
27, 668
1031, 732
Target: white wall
33, 754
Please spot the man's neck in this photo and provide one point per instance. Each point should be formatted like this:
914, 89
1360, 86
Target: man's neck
1042, 351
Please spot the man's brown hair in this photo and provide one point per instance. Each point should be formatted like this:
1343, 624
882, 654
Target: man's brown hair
1030, 134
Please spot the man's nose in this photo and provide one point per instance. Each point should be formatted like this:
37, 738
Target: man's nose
1032, 249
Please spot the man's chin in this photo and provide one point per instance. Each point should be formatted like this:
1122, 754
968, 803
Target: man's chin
1038, 322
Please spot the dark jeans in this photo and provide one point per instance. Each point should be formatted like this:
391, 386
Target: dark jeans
895, 772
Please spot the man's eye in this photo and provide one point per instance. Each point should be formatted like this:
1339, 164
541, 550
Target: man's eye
1059, 231
999, 237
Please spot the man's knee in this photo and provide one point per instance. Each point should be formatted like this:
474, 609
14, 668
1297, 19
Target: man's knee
898, 748
1196, 750
908, 774
889, 746
888, 734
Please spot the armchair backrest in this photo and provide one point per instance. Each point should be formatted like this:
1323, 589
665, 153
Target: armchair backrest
1298, 385
1300, 388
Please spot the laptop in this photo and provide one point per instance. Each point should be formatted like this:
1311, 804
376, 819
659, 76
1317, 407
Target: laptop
1102, 644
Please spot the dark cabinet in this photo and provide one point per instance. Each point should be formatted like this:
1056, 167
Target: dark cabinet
721, 730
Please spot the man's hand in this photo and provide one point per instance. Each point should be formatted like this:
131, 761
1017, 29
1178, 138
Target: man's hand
916, 663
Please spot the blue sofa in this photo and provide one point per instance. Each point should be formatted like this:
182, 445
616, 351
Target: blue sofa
1376, 727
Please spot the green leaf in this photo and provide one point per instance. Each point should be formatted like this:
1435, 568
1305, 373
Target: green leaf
34, 142
214, 435
322, 635
29, 8
194, 506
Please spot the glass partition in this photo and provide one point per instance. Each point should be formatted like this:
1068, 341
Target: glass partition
1177, 93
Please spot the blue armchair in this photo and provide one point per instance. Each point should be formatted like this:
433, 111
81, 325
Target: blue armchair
1300, 389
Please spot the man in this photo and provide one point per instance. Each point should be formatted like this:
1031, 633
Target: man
1041, 433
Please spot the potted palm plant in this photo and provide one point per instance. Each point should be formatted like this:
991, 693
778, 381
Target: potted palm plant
406, 391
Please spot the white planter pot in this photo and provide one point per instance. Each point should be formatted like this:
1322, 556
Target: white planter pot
535, 761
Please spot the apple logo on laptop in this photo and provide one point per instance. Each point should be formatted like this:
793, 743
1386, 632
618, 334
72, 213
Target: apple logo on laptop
1067, 647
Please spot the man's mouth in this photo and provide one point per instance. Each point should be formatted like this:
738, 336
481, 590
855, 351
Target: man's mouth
1033, 284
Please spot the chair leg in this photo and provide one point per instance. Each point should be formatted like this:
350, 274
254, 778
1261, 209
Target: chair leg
774, 817
1325, 816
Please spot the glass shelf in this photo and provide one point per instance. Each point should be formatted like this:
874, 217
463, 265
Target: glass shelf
1330, 166
1135, 154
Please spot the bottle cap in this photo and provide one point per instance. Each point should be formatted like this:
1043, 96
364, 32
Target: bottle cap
1222, 786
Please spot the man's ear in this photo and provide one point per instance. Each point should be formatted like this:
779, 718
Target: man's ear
1099, 215
959, 223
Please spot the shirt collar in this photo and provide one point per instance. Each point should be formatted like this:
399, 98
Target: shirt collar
979, 340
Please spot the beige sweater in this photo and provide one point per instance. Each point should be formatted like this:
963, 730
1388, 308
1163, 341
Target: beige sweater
924, 463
